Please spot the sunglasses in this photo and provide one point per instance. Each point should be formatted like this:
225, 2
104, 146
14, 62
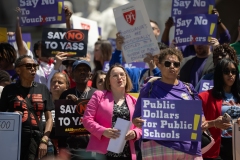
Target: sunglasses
175, 64
228, 71
30, 65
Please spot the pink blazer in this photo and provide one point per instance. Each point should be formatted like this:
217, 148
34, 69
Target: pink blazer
98, 117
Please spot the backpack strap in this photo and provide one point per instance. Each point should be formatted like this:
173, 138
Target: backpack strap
153, 79
187, 85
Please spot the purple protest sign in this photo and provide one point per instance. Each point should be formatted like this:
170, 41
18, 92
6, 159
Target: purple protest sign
41, 12
183, 7
126, 65
173, 120
113, 43
26, 38
205, 85
195, 29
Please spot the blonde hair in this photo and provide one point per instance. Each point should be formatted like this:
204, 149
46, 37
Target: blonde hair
128, 86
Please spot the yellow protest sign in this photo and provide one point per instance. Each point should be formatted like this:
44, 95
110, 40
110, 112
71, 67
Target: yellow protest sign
3, 35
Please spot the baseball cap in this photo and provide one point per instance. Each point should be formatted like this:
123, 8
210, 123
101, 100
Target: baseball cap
69, 59
78, 62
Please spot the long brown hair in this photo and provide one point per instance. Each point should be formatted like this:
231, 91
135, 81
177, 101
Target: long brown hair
106, 49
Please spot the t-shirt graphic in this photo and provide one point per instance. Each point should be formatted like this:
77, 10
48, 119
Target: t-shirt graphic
230, 107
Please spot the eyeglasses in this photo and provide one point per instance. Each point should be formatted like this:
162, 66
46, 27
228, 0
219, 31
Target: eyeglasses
228, 71
30, 65
168, 64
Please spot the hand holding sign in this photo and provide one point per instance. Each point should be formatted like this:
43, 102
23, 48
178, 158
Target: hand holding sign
119, 41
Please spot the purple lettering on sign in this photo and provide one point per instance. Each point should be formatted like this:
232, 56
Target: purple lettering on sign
195, 29
41, 12
173, 120
205, 85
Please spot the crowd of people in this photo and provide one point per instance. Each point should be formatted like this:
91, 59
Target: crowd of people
30, 84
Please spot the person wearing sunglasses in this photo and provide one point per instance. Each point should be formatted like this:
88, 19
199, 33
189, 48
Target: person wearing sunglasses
31, 100
168, 87
219, 52
223, 98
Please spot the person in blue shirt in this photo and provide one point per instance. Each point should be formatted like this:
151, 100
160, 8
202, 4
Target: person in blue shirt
137, 75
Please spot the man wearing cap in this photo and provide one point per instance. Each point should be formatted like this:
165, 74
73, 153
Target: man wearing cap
81, 72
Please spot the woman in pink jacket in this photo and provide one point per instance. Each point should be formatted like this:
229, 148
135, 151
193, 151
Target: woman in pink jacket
104, 108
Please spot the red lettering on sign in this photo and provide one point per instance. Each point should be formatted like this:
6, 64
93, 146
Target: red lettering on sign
74, 36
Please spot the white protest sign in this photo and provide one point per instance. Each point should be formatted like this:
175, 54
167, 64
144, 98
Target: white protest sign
133, 23
236, 139
91, 26
10, 139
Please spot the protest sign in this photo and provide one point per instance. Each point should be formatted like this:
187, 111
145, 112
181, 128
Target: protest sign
73, 41
26, 37
205, 85
235, 139
133, 23
126, 65
91, 26
113, 43
195, 29
68, 117
10, 139
41, 12
186, 7
3, 35
173, 120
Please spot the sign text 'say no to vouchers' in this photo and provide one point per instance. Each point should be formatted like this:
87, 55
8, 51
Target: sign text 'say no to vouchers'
195, 29
133, 24
73, 41
41, 12
175, 120
186, 7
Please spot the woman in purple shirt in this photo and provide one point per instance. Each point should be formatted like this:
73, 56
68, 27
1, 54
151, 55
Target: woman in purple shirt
168, 87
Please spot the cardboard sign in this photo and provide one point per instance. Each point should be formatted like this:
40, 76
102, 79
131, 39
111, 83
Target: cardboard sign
126, 65
68, 117
55, 40
41, 12
183, 7
195, 29
133, 23
173, 120
91, 26
205, 85
3, 35
10, 139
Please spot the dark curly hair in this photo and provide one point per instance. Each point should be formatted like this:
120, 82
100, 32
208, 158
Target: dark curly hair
7, 53
224, 50
219, 83
170, 51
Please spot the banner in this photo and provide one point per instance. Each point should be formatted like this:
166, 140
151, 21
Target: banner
205, 85
91, 26
235, 139
41, 12
73, 41
133, 23
183, 7
3, 35
10, 131
68, 117
126, 65
195, 29
174, 120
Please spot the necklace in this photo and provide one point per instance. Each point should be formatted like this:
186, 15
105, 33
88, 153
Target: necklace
82, 95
